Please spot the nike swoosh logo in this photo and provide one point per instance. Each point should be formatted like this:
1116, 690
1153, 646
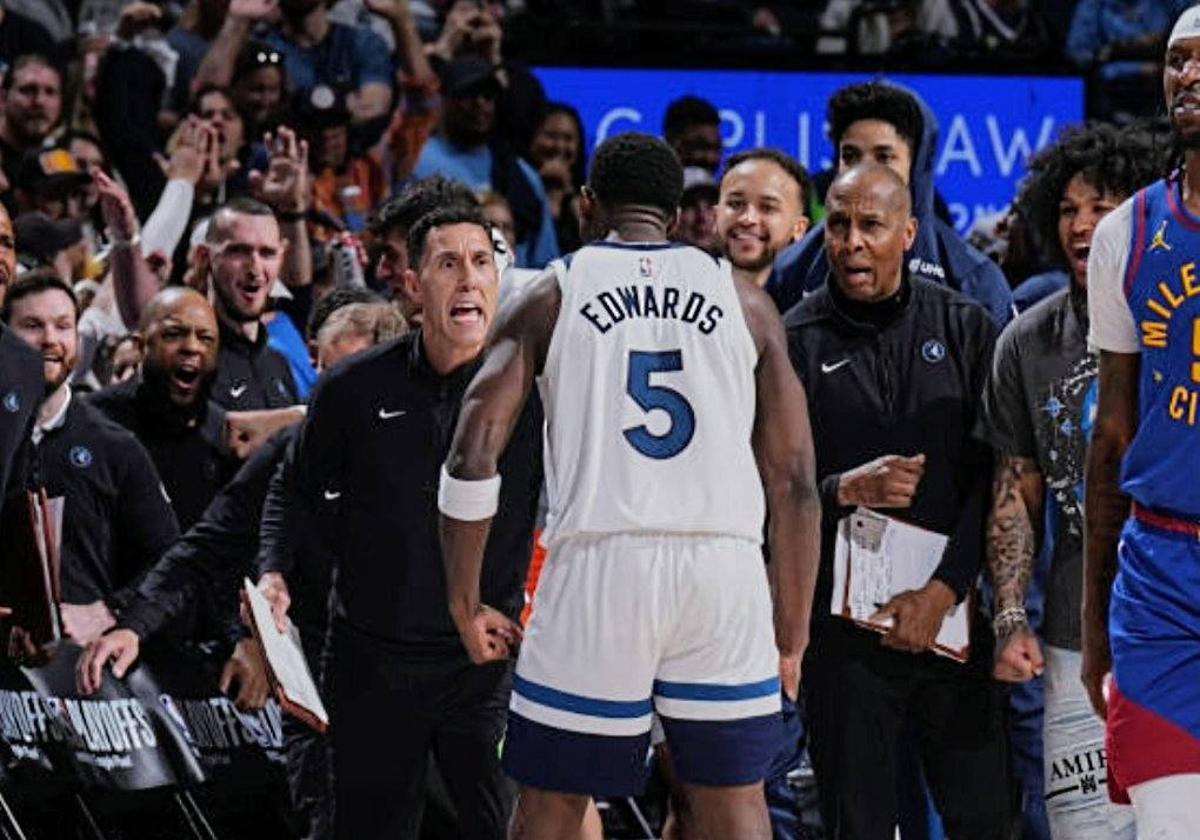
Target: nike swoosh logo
384, 414
238, 391
332, 495
830, 368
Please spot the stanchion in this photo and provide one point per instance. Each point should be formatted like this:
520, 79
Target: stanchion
88, 819
200, 827
10, 826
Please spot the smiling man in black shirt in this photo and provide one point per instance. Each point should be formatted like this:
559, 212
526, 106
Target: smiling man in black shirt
167, 406
373, 444
116, 518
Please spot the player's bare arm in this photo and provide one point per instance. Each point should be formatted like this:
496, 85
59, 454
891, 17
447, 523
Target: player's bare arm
1105, 510
514, 356
784, 450
1017, 498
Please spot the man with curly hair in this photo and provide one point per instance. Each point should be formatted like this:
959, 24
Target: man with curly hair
1039, 410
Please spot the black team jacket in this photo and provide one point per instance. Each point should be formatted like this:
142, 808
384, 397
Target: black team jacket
901, 377
372, 446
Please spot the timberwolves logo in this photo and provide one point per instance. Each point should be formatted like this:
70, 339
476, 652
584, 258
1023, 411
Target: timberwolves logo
80, 456
933, 351
11, 402
646, 267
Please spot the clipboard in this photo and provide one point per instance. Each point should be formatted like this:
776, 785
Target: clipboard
287, 669
876, 557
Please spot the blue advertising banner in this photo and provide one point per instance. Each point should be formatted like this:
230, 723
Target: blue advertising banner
989, 125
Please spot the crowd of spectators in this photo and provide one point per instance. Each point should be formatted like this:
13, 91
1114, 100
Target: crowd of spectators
207, 203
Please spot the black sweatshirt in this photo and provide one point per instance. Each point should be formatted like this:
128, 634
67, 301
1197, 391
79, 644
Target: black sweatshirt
301, 552
116, 518
908, 383
251, 375
208, 562
373, 444
187, 443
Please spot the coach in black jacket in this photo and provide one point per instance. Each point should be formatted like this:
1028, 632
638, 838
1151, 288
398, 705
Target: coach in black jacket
372, 445
894, 370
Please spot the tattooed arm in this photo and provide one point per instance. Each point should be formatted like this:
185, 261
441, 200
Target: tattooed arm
1105, 510
1012, 539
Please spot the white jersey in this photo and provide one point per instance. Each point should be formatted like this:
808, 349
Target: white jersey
649, 393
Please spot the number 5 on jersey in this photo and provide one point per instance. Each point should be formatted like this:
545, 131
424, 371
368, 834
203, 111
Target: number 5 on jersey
650, 397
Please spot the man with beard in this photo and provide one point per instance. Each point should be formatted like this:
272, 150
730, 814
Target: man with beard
20, 368
32, 109
168, 407
760, 211
117, 520
1141, 598
244, 253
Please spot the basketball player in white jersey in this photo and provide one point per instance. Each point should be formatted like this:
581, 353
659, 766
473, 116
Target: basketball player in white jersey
670, 405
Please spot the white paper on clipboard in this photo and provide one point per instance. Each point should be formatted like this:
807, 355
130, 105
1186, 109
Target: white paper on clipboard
876, 557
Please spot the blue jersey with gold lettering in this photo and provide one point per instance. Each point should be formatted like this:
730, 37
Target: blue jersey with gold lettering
1163, 290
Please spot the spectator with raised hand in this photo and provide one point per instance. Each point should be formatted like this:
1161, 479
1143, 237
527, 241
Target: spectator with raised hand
114, 313
287, 188
468, 149
191, 38
473, 30
415, 120
346, 184
316, 51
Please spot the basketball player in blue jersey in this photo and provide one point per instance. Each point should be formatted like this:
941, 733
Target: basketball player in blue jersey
670, 407
1141, 608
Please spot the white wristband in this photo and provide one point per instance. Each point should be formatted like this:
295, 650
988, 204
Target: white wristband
469, 501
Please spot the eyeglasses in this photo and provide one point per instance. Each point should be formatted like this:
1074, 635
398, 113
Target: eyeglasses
265, 58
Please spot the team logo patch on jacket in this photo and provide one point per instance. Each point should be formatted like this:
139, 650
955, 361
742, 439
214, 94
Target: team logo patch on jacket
12, 402
933, 351
80, 456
